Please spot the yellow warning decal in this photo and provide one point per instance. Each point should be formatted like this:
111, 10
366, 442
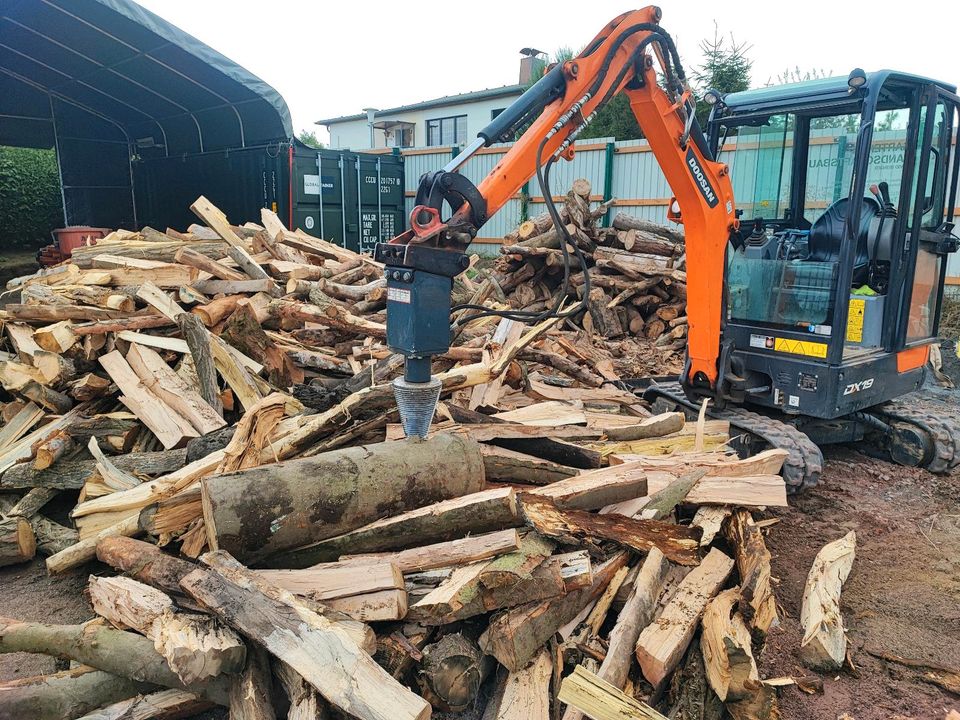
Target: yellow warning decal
800, 347
855, 314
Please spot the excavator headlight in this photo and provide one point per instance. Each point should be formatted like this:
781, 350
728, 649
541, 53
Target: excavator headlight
712, 97
857, 79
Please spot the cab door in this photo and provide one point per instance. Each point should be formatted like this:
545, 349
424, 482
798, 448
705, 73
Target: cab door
930, 237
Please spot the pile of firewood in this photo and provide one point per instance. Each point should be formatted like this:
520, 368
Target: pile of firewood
224, 393
637, 279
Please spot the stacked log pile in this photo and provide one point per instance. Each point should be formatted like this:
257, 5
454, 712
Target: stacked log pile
637, 277
216, 404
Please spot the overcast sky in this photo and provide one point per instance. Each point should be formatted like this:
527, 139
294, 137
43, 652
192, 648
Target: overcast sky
339, 56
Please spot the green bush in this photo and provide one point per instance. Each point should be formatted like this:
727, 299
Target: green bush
30, 204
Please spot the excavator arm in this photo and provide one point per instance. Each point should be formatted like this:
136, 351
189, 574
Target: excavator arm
623, 57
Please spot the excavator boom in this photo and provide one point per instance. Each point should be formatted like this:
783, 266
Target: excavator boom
623, 58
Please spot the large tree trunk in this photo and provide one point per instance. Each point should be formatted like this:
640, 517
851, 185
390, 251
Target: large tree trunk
320, 497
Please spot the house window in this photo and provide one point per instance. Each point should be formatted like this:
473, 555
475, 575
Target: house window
447, 131
400, 137
494, 113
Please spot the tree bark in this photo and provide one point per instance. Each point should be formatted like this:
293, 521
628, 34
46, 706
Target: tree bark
116, 652
452, 671
605, 321
30, 504
596, 488
623, 221
198, 340
484, 511
514, 636
67, 694
655, 426
145, 562
18, 544
511, 466
575, 527
361, 484
71, 474
243, 332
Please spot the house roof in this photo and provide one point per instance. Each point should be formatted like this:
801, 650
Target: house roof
121, 65
488, 94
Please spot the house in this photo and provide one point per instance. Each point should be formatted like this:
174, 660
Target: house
448, 120
444, 121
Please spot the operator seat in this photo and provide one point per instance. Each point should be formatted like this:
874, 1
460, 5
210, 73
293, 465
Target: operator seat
826, 235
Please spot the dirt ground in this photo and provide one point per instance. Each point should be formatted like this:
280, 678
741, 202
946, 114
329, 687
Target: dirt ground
902, 597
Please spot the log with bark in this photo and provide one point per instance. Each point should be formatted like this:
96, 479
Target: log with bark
514, 636
484, 511
452, 671
115, 652
361, 484
575, 527
18, 544
67, 694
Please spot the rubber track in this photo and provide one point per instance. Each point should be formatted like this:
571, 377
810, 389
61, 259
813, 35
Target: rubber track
937, 419
803, 465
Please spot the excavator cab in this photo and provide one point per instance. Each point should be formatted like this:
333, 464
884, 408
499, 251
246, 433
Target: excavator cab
834, 284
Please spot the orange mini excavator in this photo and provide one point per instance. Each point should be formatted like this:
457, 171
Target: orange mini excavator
808, 321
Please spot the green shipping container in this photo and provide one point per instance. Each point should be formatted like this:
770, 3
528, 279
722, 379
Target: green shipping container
352, 199
349, 198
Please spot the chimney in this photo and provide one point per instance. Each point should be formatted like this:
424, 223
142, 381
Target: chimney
531, 64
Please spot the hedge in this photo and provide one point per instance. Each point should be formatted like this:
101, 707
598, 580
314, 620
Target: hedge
30, 204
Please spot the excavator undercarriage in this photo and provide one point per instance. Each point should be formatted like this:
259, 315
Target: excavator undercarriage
915, 430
